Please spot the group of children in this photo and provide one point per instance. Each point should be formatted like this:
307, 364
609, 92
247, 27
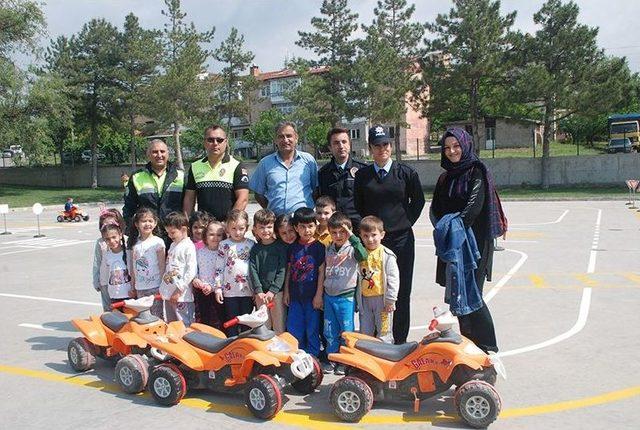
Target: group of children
311, 265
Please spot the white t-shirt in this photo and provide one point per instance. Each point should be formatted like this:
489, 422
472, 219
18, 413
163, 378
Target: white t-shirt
207, 265
118, 275
233, 268
180, 270
145, 262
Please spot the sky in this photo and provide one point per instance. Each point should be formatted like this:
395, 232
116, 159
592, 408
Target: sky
271, 27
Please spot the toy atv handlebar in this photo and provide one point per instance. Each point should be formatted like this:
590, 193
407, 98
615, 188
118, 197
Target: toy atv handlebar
122, 303
235, 320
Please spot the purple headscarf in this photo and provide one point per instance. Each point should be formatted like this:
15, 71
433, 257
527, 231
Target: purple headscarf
459, 175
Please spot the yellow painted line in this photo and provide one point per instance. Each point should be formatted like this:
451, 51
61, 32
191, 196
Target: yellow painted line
632, 277
587, 280
537, 281
328, 421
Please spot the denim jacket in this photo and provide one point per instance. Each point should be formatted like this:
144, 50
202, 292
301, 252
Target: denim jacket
456, 246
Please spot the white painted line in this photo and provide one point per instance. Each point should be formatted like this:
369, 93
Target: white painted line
425, 246
491, 294
591, 266
560, 218
49, 299
37, 326
577, 327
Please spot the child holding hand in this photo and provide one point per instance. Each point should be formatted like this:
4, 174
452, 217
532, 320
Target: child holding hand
147, 257
267, 267
380, 281
180, 270
232, 274
208, 311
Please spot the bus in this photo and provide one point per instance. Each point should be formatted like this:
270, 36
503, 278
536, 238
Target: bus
625, 125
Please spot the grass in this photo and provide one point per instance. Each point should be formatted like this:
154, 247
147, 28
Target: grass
18, 196
556, 149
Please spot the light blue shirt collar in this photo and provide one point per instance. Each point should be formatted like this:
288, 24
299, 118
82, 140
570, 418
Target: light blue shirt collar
295, 156
386, 167
343, 165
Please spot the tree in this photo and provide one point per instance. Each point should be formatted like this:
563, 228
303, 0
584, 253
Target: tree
328, 92
140, 58
231, 53
89, 62
182, 90
562, 72
389, 55
21, 24
263, 131
467, 59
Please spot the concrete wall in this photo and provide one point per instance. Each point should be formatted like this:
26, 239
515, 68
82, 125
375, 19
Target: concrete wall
508, 172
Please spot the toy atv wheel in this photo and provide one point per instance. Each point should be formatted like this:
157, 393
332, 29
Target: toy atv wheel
59, 218
132, 374
309, 384
77, 218
81, 354
478, 403
85, 217
351, 398
167, 385
263, 397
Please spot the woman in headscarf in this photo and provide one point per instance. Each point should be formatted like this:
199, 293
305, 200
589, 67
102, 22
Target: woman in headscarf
467, 187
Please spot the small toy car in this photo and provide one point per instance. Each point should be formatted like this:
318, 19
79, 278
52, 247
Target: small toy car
257, 360
377, 370
75, 214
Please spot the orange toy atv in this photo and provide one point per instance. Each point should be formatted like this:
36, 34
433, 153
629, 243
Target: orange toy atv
377, 370
116, 334
258, 361
75, 214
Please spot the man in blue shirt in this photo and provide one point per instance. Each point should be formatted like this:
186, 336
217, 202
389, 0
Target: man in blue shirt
287, 179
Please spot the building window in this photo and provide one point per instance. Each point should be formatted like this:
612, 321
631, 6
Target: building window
285, 108
265, 91
354, 133
392, 132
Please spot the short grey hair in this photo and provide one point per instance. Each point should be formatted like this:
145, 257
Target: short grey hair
154, 141
283, 124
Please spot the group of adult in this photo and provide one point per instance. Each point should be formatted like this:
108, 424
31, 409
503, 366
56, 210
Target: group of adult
289, 179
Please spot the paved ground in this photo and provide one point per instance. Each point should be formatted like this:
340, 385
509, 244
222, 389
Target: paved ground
564, 298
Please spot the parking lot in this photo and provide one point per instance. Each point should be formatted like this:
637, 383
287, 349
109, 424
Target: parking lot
564, 298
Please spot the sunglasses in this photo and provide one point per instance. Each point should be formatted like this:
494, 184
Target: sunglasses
216, 139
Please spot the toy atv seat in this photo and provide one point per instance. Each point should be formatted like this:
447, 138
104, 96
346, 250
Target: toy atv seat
114, 320
206, 341
386, 351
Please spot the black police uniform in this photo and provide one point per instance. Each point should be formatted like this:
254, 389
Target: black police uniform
337, 183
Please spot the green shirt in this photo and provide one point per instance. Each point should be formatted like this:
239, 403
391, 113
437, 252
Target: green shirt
267, 266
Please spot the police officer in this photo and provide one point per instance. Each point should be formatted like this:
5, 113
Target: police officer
336, 177
218, 182
392, 192
158, 185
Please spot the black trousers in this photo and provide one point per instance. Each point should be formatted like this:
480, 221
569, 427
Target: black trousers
402, 243
478, 325
235, 306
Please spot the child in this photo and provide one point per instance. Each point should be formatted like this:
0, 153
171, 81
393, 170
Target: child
147, 256
232, 277
303, 282
379, 284
284, 229
198, 221
267, 267
114, 265
107, 216
325, 207
340, 281
208, 311
180, 270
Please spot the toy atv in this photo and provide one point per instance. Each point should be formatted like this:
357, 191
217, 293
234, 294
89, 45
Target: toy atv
74, 214
416, 371
115, 334
257, 360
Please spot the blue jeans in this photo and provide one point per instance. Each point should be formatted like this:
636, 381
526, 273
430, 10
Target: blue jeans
303, 322
338, 317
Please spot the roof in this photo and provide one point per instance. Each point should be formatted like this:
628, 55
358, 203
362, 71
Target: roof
624, 116
287, 73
